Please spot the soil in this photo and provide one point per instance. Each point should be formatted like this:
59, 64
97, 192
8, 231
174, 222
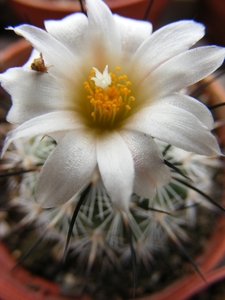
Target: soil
167, 266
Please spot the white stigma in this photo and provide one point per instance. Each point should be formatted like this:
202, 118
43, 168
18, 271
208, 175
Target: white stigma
102, 80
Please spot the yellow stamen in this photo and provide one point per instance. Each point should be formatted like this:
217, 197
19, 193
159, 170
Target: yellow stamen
109, 95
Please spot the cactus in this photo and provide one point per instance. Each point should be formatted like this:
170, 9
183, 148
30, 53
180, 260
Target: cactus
99, 235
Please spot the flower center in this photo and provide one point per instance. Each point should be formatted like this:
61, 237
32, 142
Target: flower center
109, 95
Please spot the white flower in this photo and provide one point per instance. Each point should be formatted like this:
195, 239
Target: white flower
104, 87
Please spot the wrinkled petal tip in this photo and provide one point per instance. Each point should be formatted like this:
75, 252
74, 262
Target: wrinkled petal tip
216, 152
50, 202
5, 147
196, 27
219, 56
44, 204
212, 149
122, 205
96, 4
42, 200
200, 26
3, 78
17, 29
9, 28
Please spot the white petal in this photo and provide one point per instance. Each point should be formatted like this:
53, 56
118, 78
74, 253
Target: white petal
192, 105
70, 31
116, 168
150, 170
68, 168
44, 124
165, 43
103, 31
54, 52
182, 71
175, 126
133, 33
32, 93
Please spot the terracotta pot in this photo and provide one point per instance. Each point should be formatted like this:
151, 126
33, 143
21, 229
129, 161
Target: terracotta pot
36, 11
21, 285
212, 13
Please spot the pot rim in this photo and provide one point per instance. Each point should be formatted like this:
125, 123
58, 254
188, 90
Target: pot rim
68, 6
